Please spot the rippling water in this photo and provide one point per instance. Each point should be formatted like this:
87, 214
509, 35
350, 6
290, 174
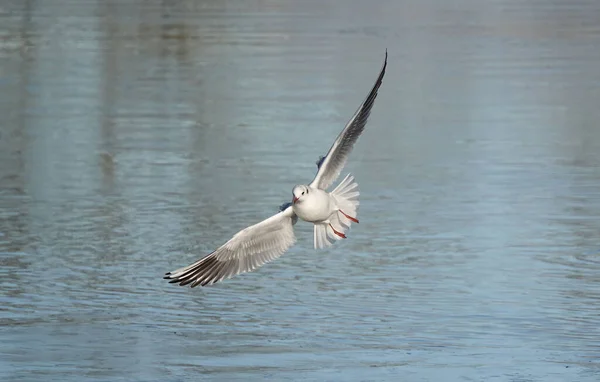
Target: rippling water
137, 135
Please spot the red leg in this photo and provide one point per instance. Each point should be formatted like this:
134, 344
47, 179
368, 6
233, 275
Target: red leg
349, 217
337, 233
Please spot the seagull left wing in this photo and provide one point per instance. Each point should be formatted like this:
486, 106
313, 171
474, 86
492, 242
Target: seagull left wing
249, 249
332, 164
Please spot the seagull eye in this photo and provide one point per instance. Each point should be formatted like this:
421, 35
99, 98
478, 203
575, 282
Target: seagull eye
302, 192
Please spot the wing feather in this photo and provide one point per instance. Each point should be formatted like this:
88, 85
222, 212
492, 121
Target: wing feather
247, 250
332, 164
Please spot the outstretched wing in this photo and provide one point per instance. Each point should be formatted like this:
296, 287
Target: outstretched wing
249, 249
332, 164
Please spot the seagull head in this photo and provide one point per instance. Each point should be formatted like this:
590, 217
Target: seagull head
298, 193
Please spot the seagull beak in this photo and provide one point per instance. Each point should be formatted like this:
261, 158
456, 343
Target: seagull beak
294, 200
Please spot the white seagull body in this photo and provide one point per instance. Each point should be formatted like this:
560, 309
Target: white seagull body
332, 213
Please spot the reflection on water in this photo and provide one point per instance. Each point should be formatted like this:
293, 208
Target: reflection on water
136, 136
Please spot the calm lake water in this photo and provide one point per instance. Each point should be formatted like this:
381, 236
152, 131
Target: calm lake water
136, 136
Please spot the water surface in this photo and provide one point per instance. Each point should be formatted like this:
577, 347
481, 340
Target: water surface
138, 135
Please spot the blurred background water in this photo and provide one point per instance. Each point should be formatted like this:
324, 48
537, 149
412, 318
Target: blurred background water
136, 136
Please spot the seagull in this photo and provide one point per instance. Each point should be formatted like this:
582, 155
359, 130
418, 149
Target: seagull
331, 213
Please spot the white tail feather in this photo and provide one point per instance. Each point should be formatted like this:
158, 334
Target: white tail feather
321, 236
345, 196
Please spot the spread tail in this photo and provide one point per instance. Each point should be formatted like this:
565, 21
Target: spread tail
345, 196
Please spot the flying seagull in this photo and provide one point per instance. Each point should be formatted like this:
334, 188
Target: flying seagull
332, 213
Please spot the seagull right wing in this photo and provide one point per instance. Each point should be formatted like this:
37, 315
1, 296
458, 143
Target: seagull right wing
247, 250
332, 164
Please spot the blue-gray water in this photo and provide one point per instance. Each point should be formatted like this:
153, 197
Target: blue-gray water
136, 136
